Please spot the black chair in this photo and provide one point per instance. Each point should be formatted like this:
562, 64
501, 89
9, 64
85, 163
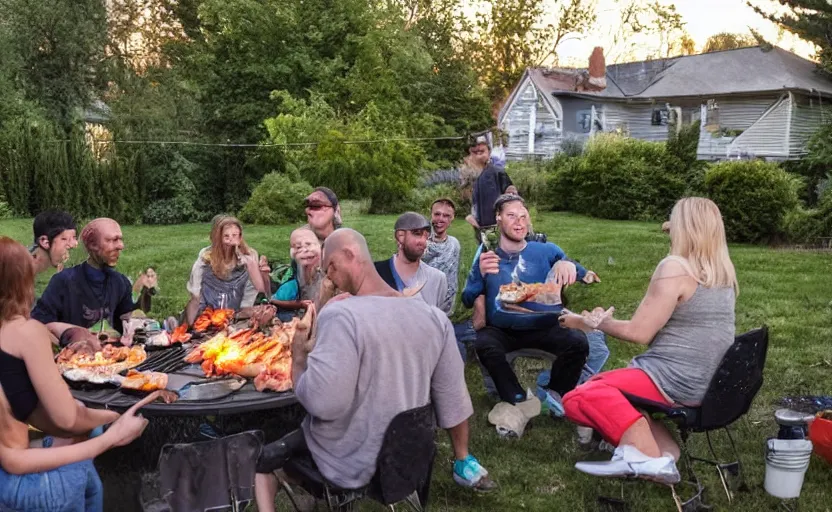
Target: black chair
730, 393
207, 475
403, 468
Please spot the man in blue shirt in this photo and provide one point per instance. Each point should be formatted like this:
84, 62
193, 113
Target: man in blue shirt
516, 259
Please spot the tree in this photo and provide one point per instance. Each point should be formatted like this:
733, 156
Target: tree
644, 22
60, 46
574, 20
810, 20
728, 41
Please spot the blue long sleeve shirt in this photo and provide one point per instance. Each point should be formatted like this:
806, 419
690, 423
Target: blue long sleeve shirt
531, 265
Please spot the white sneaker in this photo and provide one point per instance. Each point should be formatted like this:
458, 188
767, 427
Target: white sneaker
627, 461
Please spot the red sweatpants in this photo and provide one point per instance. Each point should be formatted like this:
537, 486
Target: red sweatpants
600, 404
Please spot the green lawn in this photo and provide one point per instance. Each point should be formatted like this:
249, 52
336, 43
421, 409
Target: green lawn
789, 291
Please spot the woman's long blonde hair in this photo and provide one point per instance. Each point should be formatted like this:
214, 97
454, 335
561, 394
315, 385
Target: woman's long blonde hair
697, 235
223, 261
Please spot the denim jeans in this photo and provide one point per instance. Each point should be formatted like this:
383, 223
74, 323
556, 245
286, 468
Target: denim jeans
71, 488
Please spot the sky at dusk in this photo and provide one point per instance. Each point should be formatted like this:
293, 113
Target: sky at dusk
703, 18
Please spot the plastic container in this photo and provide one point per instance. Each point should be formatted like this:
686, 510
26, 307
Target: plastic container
786, 464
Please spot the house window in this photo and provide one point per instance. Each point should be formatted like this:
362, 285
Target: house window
659, 117
584, 120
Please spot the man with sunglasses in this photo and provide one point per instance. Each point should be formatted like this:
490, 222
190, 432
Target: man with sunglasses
323, 213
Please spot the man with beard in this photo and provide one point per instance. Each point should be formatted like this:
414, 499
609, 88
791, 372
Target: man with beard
442, 252
406, 270
85, 298
366, 367
54, 237
516, 259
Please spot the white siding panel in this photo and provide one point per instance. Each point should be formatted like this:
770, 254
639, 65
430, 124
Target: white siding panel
768, 136
546, 132
807, 116
734, 114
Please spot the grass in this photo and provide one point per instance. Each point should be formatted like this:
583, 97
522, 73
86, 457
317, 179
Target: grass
788, 291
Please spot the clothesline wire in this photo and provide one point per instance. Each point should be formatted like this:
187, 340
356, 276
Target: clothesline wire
266, 145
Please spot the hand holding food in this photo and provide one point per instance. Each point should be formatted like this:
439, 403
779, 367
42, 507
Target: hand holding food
489, 263
82, 340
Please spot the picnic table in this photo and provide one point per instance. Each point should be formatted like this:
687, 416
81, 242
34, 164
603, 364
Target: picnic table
128, 471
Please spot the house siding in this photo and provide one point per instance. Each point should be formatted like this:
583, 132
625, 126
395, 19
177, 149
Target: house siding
807, 115
768, 136
734, 114
516, 122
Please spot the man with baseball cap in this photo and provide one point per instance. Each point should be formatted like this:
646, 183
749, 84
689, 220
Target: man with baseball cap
406, 270
490, 183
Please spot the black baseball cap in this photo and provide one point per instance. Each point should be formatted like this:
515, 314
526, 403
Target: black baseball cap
410, 221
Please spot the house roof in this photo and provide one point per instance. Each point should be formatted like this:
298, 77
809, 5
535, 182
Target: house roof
740, 71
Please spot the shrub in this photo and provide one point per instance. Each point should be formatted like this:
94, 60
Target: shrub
618, 178
276, 200
5, 210
177, 210
420, 199
531, 181
806, 226
753, 196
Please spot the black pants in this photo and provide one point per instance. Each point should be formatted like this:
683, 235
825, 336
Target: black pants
275, 455
569, 345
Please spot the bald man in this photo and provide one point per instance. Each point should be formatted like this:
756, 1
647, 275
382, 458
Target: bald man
90, 297
377, 354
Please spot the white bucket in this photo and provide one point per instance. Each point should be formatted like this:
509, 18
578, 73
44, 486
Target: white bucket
786, 464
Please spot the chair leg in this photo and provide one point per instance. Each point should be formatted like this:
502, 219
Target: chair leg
290, 493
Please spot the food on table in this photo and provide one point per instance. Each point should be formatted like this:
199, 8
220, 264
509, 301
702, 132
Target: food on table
217, 319
543, 293
180, 334
158, 339
258, 316
98, 375
101, 367
113, 358
145, 381
264, 355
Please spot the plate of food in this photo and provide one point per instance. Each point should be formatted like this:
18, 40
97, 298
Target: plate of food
100, 367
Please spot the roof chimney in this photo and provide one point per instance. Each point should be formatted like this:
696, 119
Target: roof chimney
597, 70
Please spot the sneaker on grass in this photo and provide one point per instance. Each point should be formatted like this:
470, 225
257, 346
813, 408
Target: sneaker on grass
469, 473
552, 401
629, 462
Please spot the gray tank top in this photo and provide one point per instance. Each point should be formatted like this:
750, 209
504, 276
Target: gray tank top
686, 352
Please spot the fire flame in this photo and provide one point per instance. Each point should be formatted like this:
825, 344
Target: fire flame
249, 353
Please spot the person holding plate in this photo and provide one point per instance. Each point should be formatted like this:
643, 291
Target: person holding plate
528, 326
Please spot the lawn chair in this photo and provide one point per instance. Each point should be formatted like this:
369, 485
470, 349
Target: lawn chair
208, 475
730, 393
511, 358
403, 471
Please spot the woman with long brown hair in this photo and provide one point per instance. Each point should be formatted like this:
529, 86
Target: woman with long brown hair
226, 274
687, 321
33, 392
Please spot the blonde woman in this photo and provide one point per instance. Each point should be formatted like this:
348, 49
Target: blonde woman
228, 269
687, 321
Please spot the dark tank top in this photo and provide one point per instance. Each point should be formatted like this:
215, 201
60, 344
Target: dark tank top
17, 386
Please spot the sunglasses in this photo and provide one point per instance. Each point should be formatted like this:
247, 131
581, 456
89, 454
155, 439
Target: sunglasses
317, 207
